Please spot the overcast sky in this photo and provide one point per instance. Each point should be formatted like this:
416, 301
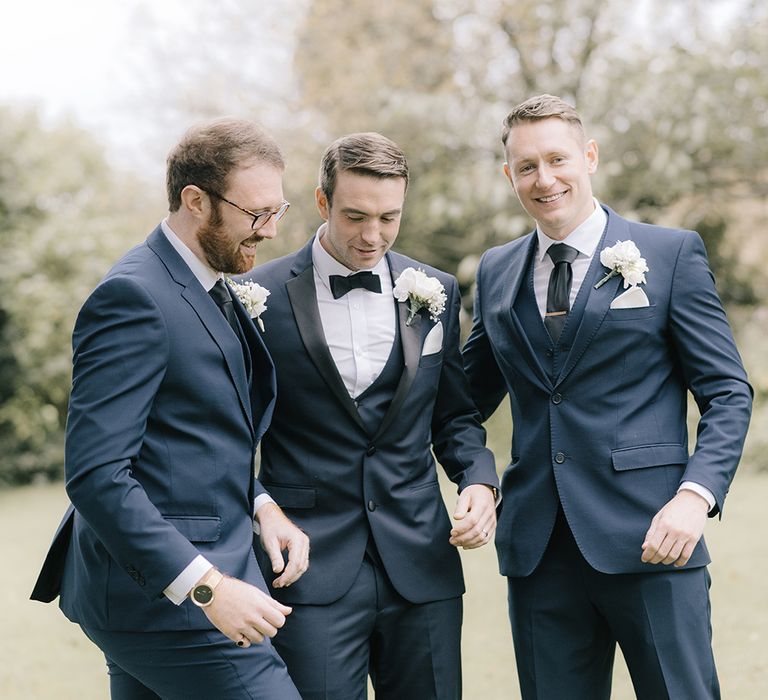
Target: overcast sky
74, 59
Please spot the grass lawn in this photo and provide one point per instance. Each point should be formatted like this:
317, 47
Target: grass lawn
44, 656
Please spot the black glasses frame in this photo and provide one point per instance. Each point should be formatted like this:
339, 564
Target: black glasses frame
259, 218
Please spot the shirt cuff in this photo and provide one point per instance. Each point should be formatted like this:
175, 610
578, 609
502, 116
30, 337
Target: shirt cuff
179, 588
703, 491
260, 500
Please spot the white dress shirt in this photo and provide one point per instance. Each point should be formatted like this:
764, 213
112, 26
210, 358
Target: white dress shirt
180, 586
584, 238
359, 327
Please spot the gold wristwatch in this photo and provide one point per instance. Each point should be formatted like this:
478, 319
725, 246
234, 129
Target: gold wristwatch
202, 594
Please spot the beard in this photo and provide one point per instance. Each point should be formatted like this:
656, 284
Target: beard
221, 252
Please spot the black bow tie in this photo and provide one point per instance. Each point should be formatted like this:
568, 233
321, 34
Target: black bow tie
340, 284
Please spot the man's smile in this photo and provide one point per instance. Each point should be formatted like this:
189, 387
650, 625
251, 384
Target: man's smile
551, 197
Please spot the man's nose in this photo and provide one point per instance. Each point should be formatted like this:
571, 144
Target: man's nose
544, 178
268, 230
371, 232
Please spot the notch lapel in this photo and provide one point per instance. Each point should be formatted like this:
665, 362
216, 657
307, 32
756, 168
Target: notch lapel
229, 344
263, 382
209, 314
515, 276
303, 298
599, 300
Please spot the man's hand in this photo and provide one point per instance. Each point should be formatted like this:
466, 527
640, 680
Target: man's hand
475, 517
277, 534
676, 529
244, 613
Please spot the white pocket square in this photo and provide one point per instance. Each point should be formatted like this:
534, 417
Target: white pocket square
633, 298
434, 341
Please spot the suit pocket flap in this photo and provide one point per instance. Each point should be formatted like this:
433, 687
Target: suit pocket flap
292, 496
648, 456
196, 528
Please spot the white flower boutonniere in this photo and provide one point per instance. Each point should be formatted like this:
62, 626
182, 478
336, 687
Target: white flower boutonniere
623, 259
421, 291
253, 297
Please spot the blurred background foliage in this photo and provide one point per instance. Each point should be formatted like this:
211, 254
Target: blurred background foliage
674, 91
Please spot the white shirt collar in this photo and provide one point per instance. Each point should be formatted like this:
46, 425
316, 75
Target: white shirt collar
326, 265
207, 276
584, 237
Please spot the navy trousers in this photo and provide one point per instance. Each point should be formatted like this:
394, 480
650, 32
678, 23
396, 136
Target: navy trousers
412, 652
567, 619
191, 665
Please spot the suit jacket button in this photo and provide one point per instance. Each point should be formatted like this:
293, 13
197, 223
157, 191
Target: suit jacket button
371, 505
559, 458
557, 399
371, 450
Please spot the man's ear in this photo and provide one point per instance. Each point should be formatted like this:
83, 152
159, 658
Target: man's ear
591, 155
193, 201
322, 204
508, 173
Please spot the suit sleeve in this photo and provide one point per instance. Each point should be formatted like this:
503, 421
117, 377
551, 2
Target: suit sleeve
120, 356
458, 437
712, 369
486, 383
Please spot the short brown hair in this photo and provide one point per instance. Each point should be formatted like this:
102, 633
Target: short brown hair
541, 107
209, 152
365, 153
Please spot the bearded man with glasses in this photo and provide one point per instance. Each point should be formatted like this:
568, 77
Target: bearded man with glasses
172, 390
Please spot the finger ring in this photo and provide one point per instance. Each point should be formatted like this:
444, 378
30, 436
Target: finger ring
241, 642
485, 533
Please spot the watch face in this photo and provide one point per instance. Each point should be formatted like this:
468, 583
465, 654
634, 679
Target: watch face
202, 594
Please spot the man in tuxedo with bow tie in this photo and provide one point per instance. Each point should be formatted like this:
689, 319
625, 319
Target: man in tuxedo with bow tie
364, 396
600, 529
172, 390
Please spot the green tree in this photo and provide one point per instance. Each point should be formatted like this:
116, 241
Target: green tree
64, 218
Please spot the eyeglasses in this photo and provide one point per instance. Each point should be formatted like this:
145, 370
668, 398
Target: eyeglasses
260, 218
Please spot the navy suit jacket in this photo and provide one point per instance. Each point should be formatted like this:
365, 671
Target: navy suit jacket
337, 480
160, 444
605, 434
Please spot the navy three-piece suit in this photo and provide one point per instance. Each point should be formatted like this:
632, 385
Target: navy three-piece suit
161, 435
600, 444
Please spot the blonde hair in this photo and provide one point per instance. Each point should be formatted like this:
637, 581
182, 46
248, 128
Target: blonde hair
541, 107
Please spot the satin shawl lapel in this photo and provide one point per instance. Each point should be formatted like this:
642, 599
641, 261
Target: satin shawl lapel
263, 377
411, 340
303, 298
514, 275
599, 300
209, 315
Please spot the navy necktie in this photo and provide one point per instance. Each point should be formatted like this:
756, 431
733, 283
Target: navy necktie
559, 289
220, 294
340, 284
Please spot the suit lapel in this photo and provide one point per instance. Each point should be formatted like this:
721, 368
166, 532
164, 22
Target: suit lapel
209, 315
515, 274
263, 382
303, 298
411, 339
599, 300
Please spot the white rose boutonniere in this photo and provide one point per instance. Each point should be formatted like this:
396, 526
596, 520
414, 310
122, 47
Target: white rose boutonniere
421, 291
253, 297
623, 259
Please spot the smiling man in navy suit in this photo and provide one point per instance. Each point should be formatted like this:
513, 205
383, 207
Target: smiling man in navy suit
367, 390
172, 390
597, 328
